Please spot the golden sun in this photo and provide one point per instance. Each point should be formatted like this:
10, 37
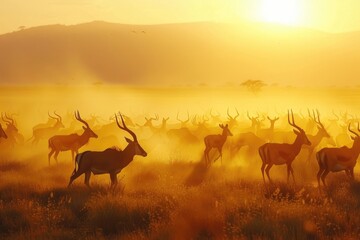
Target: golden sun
280, 11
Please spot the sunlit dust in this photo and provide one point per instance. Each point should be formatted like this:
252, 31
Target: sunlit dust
280, 11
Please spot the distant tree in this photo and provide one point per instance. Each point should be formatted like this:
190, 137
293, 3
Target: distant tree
254, 86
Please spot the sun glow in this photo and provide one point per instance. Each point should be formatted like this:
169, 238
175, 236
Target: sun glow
280, 11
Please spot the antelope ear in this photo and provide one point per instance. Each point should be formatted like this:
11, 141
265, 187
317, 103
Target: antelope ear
128, 140
84, 127
296, 132
220, 125
353, 138
227, 125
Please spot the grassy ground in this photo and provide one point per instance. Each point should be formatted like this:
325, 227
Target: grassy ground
172, 200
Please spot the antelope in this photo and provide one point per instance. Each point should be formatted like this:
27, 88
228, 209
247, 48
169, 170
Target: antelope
11, 130
338, 159
283, 153
248, 139
216, 141
163, 125
215, 118
316, 139
255, 122
110, 161
51, 121
202, 129
183, 122
232, 119
2, 132
46, 132
72, 142
149, 123
267, 134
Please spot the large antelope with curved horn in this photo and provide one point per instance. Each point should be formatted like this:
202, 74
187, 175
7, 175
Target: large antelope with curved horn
283, 153
110, 161
46, 132
72, 142
338, 159
216, 141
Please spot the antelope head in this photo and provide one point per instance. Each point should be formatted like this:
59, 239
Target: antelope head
58, 119
232, 119
132, 144
272, 121
10, 124
300, 133
226, 131
87, 130
148, 122
183, 122
320, 126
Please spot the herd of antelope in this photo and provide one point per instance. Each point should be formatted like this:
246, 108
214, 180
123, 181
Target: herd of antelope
335, 152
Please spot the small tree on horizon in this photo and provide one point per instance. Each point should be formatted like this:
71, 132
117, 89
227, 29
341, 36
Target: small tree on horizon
254, 86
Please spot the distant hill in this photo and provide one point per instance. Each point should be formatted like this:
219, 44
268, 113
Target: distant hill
178, 54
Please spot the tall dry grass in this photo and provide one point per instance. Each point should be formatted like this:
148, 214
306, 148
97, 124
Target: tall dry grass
155, 201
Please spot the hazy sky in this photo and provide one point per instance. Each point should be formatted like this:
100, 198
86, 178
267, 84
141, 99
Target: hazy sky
325, 15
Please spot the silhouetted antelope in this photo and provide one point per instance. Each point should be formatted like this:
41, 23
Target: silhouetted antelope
268, 133
316, 139
283, 153
46, 132
216, 141
72, 142
255, 122
51, 121
110, 161
338, 159
232, 122
11, 130
183, 122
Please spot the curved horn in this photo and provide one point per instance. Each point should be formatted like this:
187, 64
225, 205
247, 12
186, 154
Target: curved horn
125, 127
11, 120
318, 119
229, 116
78, 117
248, 115
237, 113
51, 116
59, 117
293, 120
3, 118
352, 130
